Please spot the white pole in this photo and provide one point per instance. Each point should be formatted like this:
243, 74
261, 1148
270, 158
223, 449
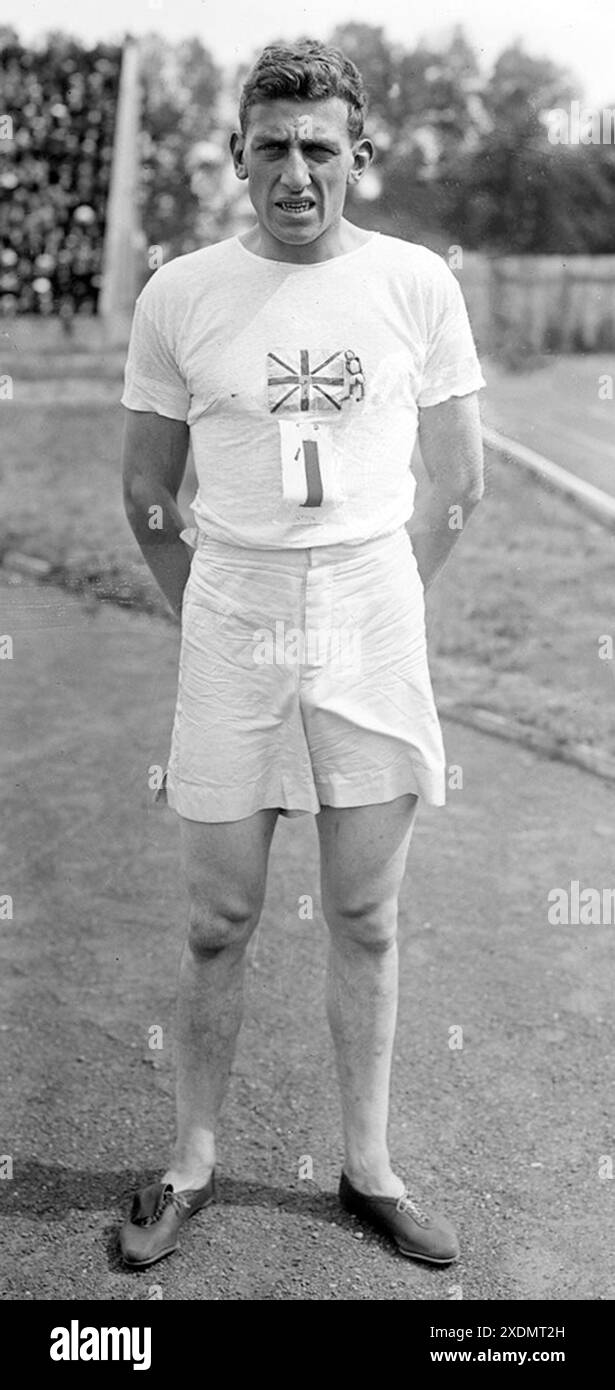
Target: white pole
123, 238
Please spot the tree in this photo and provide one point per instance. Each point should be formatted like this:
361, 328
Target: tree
437, 117
518, 192
180, 87
377, 60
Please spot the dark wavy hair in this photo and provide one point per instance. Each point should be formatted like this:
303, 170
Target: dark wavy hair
305, 71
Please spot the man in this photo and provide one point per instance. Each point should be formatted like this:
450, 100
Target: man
299, 359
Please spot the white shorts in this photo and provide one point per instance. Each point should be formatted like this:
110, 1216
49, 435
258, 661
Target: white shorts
303, 682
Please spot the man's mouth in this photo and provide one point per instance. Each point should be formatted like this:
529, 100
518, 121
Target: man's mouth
295, 205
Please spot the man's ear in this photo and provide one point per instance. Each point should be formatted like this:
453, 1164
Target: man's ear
237, 151
363, 154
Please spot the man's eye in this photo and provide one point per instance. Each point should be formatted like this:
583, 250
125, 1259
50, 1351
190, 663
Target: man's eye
311, 151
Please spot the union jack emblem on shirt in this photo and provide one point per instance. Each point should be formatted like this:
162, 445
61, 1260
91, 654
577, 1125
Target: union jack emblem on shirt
306, 381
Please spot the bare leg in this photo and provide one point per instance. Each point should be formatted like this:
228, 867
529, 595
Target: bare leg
363, 856
225, 868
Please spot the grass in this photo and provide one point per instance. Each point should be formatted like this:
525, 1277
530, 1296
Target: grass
514, 621
61, 496
517, 617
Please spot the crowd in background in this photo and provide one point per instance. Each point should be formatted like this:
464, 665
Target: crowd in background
54, 173
60, 98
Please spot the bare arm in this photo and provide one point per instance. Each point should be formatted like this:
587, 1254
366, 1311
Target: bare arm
153, 464
452, 452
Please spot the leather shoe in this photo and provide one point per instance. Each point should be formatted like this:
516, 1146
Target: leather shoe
421, 1235
157, 1215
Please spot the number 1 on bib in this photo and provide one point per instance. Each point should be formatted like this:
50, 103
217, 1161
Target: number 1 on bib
308, 474
312, 473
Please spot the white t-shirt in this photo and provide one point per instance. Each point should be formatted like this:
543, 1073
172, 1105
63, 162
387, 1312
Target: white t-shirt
301, 384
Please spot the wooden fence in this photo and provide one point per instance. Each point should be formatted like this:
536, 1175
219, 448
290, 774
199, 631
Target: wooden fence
541, 303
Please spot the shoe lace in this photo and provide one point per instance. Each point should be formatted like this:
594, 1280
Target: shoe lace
405, 1204
168, 1198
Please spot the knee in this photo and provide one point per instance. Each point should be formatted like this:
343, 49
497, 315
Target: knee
216, 927
369, 926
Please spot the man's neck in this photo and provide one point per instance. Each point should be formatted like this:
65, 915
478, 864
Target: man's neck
336, 241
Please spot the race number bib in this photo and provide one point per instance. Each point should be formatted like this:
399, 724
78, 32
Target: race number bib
309, 475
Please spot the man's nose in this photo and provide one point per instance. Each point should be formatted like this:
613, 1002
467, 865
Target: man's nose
295, 174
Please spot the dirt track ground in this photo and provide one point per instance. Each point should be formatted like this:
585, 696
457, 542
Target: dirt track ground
507, 1134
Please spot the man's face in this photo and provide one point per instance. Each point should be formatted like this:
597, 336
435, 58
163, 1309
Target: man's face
298, 158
